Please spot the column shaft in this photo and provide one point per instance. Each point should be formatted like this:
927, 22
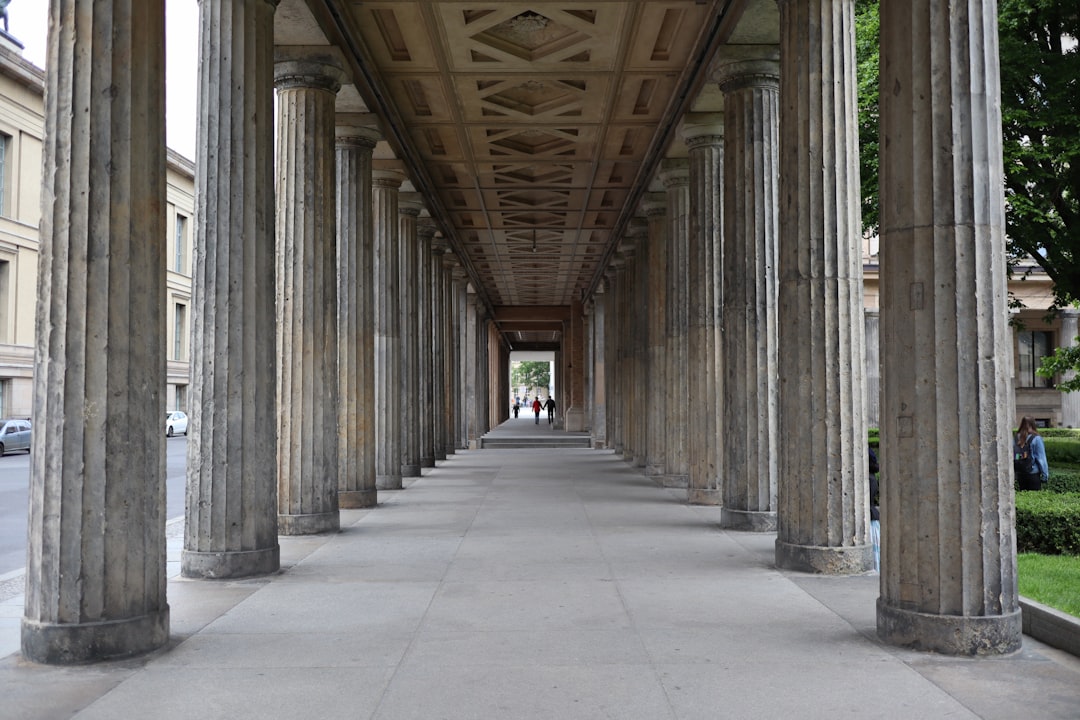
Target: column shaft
438, 349
425, 300
409, 206
823, 514
356, 317
749, 301
385, 184
230, 527
95, 576
948, 563
675, 175
1070, 402
307, 438
706, 154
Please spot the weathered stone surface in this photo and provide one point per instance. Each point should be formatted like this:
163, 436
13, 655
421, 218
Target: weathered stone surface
356, 139
385, 185
232, 417
749, 301
705, 144
438, 347
409, 207
948, 556
823, 514
307, 340
425, 233
675, 174
95, 575
1070, 402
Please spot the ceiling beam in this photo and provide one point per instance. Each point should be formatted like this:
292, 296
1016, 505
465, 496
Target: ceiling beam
531, 313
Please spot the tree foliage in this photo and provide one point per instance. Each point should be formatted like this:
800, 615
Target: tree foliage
531, 373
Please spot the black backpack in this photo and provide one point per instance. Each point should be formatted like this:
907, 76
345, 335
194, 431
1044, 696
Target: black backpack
1023, 459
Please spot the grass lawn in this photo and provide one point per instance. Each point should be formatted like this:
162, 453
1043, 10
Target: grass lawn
1052, 580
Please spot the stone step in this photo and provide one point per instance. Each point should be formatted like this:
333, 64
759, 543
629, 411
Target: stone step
535, 443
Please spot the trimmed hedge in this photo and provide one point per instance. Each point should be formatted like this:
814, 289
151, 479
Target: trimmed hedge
1063, 481
1048, 523
1060, 433
1062, 450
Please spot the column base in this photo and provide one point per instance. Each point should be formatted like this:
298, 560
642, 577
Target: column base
748, 520
654, 468
353, 499
599, 444
618, 448
704, 496
427, 462
676, 481
410, 470
450, 451
70, 644
575, 420
852, 560
308, 524
388, 482
440, 455
230, 564
639, 461
949, 634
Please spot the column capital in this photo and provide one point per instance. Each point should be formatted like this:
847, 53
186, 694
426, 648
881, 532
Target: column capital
426, 227
674, 172
319, 67
388, 179
410, 203
357, 129
700, 129
654, 204
755, 72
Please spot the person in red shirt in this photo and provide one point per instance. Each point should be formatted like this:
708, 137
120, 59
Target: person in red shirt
536, 406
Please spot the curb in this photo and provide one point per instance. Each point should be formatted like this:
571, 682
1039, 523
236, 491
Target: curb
1050, 626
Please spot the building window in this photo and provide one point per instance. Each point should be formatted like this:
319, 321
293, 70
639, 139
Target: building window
178, 332
181, 227
1034, 345
5, 174
181, 397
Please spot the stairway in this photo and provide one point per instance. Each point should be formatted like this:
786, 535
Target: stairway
534, 442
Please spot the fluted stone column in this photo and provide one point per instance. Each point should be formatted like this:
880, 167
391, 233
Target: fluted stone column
948, 556
675, 174
705, 143
460, 300
600, 366
587, 369
307, 438
618, 347
232, 416
356, 313
472, 369
438, 347
425, 232
385, 184
638, 301
450, 346
95, 576
409, 207
653, 274
823, 521
749, 302
1070, 402
872, 394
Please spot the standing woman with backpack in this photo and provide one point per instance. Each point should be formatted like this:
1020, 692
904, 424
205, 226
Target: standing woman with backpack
1029, 457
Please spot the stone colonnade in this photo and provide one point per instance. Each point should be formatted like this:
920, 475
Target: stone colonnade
776, 325
787, 428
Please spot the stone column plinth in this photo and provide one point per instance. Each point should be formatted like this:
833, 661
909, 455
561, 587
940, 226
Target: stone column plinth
1070, 402
652, 273
95, 575
409, 207
307, 340
356, 313
232, 415
948, 555
385, 185
675, 174
425, 233
705, 143
749, 303
823, 514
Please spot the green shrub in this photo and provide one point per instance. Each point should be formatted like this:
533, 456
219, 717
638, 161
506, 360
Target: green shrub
1063, 481
1048, 523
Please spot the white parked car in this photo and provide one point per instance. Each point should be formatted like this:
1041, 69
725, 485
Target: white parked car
175, 423
14, 435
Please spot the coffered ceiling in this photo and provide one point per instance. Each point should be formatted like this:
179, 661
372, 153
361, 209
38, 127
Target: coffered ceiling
532, 127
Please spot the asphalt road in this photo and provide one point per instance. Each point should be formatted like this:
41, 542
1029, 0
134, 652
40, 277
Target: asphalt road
14, 490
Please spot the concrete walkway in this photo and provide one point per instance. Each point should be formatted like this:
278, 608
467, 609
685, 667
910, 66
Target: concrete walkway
535, 584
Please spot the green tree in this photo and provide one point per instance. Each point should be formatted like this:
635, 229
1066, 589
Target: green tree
1040, 102
531, 374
